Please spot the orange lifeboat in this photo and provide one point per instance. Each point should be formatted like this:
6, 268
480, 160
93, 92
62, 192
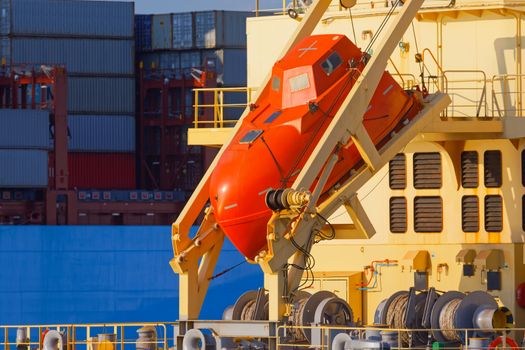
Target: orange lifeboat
307, 88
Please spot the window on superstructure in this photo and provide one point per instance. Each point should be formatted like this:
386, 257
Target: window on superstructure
492, 166
276, 83
299, 82
331, 63
427, 170
469, 169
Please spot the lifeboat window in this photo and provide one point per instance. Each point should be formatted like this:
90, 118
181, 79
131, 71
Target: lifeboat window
276, 83
299, 82
272, 117
251, 136
332, 63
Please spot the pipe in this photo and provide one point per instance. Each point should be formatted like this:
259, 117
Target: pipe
53, 340
340, 341
194, 339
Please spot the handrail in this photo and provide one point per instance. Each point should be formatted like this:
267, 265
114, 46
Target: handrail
482, 99
217, 119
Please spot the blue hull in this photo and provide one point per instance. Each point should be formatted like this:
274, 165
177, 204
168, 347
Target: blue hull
77, 274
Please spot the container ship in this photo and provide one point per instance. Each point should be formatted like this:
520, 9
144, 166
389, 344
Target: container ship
337, 175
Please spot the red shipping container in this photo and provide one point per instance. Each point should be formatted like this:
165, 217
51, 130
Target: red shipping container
102, 171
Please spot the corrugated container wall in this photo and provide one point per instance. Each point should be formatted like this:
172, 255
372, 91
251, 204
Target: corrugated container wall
183, 30
79, 56
101, 95
169, 60
24, 129
101, 133
143, 32
102, 171
72, 18
23, 168
162, 32
221, 29
231, 66
5, 18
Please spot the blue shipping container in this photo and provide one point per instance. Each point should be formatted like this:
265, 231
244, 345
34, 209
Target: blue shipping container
76, 274
103, 56
23, 168
101, 95
24, 129
5, 18
183, 30
143, 32
101, 133
72, 18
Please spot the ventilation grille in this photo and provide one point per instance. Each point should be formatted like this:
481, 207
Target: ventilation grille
493, 213
492, 165
470, 214
398, 172
428, 214
469, 169
398, 215
427, 170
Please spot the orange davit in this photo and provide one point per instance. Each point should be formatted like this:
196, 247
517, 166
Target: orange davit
276, 138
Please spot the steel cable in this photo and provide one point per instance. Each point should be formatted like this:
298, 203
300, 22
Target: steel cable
446, 320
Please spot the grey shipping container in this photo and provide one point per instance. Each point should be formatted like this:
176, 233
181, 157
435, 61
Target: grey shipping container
5, 49
101, 133
231, 66
72, 18
183, 30
161, 32
23, 168
78, 55
24, 128
221, 29
101, 95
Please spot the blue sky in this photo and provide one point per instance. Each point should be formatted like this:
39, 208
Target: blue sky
160, 6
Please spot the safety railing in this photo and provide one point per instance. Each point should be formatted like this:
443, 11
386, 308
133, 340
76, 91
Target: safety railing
268, 6
329, 338
220, 107
468, 91
507, 95
114, 336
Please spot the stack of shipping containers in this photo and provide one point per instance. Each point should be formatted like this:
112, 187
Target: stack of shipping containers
175, 45
94, 41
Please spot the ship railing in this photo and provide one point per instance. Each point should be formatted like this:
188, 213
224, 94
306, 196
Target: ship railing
507, 95
212, 109
301, 6
468, 92
111, 336
322, 337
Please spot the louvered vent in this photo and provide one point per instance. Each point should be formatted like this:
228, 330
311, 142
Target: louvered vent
428, 214
427, 170
469, 169
398, 172
493, 213
398, 215
492, 165
470, 213
523, 169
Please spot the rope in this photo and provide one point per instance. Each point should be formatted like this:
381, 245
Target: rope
446, 320
395, 317
226, 271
